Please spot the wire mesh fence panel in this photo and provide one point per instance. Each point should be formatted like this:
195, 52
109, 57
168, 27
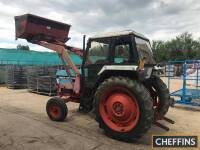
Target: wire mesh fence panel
47, 84
16, 77
42, 79
2, 74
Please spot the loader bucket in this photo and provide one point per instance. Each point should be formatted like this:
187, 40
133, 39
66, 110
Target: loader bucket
35, 28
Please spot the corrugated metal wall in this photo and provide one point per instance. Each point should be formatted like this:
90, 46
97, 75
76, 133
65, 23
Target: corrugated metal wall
14, 64
23, 57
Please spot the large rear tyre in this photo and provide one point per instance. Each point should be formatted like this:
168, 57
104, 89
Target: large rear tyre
159, 93
56, 109
123, 108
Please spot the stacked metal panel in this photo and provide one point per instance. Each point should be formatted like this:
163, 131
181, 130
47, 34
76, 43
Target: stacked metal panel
2, 74
16, 77
47, 84
42, 79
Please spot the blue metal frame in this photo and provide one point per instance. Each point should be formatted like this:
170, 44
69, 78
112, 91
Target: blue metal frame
186, 95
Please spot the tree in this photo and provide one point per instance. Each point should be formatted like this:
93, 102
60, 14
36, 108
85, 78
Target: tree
159, 50
181, 47
23, 47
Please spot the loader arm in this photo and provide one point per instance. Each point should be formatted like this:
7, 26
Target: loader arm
62, 51
52, 35
75, 50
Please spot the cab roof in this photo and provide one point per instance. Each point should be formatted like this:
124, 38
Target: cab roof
118, 33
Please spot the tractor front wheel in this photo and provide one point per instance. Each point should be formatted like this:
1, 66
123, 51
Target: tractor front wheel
124, 108
56, 109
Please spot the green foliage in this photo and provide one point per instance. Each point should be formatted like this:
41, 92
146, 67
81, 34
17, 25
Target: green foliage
23, 47
180, 48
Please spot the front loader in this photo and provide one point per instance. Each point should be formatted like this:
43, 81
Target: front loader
116, 79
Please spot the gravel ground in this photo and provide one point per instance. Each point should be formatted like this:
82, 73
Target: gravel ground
25, 125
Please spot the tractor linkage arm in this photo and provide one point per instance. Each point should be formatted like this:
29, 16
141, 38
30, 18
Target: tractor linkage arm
62, 51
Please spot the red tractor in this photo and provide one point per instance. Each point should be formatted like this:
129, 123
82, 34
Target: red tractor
116, 79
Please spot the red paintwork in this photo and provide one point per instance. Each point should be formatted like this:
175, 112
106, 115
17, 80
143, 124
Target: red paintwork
60, 49
52, 35
119, 111
54, 111
29, 25
75, 50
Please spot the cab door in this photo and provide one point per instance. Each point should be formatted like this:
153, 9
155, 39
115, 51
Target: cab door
98, 55
124, 53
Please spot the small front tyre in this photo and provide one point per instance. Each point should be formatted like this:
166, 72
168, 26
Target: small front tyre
56, 109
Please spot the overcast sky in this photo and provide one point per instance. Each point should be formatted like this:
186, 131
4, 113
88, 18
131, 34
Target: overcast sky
156, 19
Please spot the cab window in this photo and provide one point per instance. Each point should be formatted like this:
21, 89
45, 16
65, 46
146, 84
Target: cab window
98, 52
144, 50
122, 53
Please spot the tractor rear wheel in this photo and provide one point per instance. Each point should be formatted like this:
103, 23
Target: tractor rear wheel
123, 108
56, 109
159, 93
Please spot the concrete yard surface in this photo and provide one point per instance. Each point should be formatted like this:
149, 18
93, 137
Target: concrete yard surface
24, 125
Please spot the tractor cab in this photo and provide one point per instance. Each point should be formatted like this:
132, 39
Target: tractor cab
125, 47
116, 53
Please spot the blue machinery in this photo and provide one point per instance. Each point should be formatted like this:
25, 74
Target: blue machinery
189, 94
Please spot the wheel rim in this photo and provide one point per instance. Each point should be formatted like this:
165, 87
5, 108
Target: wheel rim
119, 110
54, 111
